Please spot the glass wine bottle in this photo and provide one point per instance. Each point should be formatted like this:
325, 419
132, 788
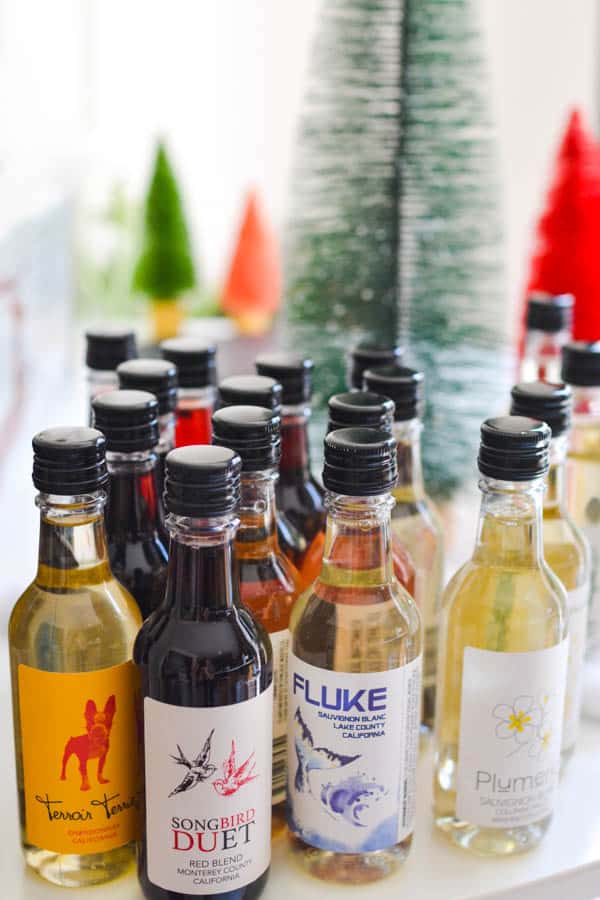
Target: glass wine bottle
361, 409
197, 376
354, 679
503, 659
73, 682
158, 377
565, 549
415, 520
137, 553
299, 496
206, 674
581, 370
258, 390
370, 356
105, 349
269, 584
548, 329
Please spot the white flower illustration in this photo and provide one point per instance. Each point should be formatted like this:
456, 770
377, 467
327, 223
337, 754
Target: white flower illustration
525, 723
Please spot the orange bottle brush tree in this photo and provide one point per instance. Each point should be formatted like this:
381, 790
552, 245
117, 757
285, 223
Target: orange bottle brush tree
252, 291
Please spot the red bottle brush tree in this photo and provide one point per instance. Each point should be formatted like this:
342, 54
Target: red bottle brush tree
566, 257
252, 291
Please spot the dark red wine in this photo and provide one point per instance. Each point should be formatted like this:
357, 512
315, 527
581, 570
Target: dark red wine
193, 424
299, 497
206, 673
136, 550
134, 519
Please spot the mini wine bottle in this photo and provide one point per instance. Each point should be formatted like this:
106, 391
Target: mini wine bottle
354, 679
137, 553
299, 496
548, 329
158, 377
73, 682
415, 520
269, 584
361, 409
197, 377
581, 370
565, 549
259, 390
105, 349
206, 674
503, 659
370, 356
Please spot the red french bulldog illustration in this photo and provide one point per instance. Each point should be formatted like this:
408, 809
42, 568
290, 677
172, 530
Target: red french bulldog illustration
94, 744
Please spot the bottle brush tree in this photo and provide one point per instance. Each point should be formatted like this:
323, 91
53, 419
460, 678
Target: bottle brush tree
565, 257
252, 291
165, 269
394, 229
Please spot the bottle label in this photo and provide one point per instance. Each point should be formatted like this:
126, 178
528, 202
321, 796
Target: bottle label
280, 641
352, 755
511, 717
578, 600
208, 794
81, 740
591, 530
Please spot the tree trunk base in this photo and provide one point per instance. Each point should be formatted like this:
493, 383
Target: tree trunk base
167, 317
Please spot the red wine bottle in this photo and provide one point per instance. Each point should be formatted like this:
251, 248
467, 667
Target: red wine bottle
197, 375
299, 496
159, 377
134, 517
206, 685
260, 390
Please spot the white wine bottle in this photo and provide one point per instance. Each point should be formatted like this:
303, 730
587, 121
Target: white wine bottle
503, 659
565, 549
415, 521
581, 369
71, 637
355, 679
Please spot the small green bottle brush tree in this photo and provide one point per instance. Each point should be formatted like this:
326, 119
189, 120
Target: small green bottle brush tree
165, 269
394, 230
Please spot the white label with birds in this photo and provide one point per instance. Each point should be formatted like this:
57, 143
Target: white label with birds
352, 755
208, 794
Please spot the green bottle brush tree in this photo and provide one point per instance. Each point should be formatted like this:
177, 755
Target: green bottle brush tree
394, 230
165, 269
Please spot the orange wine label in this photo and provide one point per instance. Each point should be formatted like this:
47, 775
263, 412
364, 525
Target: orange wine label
81, 737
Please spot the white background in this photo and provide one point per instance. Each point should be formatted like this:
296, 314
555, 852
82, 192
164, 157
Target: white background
97, 80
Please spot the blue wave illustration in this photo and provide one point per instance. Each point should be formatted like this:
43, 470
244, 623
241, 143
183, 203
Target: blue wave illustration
352, 798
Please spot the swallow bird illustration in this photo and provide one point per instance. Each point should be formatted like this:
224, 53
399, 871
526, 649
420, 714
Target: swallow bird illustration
310, 757
235, 777
199, 769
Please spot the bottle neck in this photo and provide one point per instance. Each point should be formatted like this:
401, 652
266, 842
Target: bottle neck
166, 432
358, 542
295, 446
410, 484
132, 510
72, 547
555, 498
202, 574
257, 534
510, 523
542, 355
196, 397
